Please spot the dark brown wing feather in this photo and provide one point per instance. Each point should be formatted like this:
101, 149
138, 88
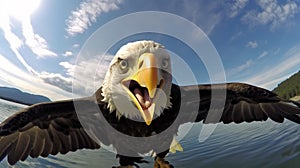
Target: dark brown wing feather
242, 102
43, 129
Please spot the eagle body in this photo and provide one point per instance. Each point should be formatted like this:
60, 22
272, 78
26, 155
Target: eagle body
137, 101
140, 129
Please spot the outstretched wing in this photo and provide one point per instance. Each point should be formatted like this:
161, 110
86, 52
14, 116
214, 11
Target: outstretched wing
237, 102
43, 129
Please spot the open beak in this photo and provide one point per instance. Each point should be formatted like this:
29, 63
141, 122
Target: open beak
142, 86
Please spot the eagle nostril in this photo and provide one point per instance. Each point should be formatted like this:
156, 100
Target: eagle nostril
141, 64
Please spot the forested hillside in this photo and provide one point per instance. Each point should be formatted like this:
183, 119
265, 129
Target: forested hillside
290, 87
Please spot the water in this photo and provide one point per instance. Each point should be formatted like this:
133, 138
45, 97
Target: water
257, 144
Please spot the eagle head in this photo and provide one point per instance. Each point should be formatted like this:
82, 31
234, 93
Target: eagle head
138, 82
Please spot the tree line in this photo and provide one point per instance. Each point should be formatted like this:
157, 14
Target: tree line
289, 88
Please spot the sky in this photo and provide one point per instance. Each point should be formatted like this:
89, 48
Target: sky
43, 43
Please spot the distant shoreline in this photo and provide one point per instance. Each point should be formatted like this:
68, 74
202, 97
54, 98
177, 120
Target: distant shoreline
15, 101
20, 97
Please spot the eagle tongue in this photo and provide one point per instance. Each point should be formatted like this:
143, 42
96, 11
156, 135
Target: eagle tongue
143, 97
147, 98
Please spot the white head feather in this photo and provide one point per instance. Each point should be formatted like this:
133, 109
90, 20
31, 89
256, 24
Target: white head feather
112, 89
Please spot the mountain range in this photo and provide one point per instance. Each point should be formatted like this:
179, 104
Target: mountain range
18, 96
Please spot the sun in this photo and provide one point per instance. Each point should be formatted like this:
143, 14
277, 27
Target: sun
19, 9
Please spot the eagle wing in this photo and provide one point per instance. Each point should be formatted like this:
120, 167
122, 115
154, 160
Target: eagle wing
236, 102
51, 128
43, 129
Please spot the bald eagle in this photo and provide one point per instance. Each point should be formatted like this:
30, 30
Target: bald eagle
138, 99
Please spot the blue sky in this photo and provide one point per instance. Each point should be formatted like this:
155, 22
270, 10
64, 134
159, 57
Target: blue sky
258, 41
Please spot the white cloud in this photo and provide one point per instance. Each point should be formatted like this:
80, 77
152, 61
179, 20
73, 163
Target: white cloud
236, 7
263, 54
35, 42
272, 83
25, 81
75, 45
240, 68
87, 75
87, 13
252, 44
14, 41
68, 53
69, 68
272, 13
236, 36
202, 13
269, 77
57, 80
54, 85
31, 80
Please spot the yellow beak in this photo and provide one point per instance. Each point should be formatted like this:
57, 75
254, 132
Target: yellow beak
147, 76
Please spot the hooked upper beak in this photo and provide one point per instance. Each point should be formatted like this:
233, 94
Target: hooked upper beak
143, 84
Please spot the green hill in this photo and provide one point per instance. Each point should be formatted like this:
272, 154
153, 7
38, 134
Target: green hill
290, 87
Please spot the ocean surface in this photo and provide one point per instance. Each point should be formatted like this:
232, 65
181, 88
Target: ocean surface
256, 144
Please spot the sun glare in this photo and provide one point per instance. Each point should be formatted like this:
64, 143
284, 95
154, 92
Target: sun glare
19, 8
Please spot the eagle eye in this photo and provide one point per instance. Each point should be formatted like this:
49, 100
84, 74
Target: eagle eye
165, 63
123, 64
